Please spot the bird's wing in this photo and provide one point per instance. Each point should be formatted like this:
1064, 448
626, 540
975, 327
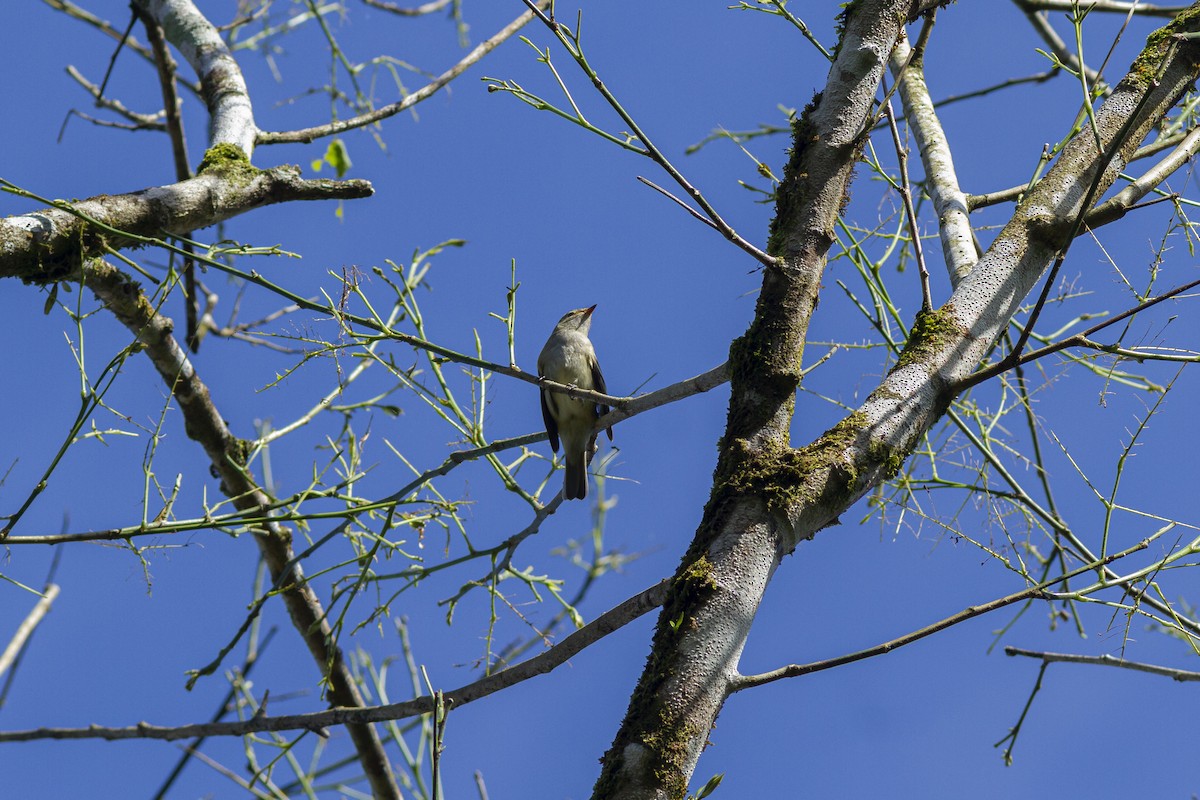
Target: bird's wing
598, 385
548, 418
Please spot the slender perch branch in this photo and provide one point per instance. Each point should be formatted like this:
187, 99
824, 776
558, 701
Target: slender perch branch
544, 662
1106, 660
410, 100
27, 626
1031, 592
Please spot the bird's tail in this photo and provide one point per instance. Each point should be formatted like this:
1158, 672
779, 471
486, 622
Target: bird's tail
575, 482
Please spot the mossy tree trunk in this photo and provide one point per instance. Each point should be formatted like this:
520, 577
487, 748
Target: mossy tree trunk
768, 496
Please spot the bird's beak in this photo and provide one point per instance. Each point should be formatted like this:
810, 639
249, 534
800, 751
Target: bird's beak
587, 312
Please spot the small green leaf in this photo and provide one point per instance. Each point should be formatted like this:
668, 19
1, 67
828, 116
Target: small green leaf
338, 157
711, 786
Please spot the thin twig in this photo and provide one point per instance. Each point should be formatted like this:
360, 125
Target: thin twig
1105, 660
27, 626
306, 135
223, 708
573, 46
910, 210
140, 121
1109, 6
1081, 339
1036, 591
1077, 223
695, 214
409, 11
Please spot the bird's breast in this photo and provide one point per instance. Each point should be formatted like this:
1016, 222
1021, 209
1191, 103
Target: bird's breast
569, 363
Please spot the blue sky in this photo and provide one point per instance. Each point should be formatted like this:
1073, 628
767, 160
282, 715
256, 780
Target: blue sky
524, 186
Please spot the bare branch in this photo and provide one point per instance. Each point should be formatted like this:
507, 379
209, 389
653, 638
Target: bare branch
1181, 675
27, 626
405, 11
153, 122
1110, 6
941, 181
544, 662
428, 90
205, 425
1032, 592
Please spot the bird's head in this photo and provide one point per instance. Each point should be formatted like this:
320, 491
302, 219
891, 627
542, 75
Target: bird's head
578, 320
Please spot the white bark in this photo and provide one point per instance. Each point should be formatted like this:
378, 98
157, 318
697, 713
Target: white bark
231, 115
941, 181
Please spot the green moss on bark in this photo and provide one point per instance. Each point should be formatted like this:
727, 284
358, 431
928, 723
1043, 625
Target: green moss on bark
932, 331
229, 162
817, 474
665, 746
1158, 43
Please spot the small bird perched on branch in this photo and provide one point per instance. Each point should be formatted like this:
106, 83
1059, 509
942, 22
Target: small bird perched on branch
569, 358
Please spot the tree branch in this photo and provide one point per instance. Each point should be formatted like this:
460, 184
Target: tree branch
719, 584
941, 181
544, 662
48, 245
1110, 6
231, 116
1029, 593
205, 425
1182, 675
27, 626
428, 90
1119, 204
404, 11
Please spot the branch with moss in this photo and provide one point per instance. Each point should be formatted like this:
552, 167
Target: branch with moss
768, 497
48, 245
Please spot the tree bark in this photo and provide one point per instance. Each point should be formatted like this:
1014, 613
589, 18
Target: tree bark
766, 496
745, 529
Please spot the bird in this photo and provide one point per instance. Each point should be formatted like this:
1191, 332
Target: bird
570, 359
